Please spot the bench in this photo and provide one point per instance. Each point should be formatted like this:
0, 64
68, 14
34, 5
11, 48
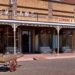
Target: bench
9, 60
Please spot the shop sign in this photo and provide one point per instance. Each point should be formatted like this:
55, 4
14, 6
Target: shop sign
68, 20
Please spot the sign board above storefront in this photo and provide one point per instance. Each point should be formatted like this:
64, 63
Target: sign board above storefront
32, 14
63, 19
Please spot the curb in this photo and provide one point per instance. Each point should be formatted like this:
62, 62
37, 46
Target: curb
44, 58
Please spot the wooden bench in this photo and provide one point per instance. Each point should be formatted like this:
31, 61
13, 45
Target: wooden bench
10, 60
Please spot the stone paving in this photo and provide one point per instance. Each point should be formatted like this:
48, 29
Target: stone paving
65, 66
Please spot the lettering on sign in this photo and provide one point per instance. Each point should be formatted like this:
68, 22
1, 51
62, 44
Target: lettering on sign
65, 20
69, 20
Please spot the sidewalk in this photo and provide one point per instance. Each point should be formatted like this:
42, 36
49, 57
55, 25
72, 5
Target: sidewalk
29, 57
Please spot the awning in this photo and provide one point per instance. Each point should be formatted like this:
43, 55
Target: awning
34, 23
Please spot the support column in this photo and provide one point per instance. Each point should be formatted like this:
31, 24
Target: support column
14, 38
13, 4
19, 39
58, 29
7, 40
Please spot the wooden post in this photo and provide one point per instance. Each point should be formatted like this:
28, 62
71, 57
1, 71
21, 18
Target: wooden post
14, 39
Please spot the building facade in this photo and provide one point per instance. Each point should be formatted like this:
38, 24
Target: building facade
37, 26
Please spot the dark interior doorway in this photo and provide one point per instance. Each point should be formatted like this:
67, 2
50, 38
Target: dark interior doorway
25, 42
2, 48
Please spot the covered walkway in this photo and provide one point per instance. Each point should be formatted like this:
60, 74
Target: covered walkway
16, 23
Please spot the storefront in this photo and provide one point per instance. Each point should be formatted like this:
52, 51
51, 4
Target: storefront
37, 26
36, 37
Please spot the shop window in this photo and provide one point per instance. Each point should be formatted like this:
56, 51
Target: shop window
11, 42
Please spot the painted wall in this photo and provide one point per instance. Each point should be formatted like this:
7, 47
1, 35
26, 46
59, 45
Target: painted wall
38, 10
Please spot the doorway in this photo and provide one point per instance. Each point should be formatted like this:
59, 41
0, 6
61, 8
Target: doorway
2, 40
26, 42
